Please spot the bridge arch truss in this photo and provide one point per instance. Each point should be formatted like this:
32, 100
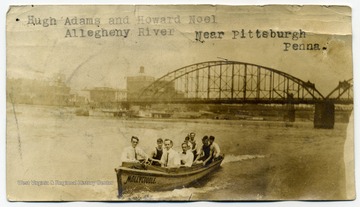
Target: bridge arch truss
343, 92
230, 81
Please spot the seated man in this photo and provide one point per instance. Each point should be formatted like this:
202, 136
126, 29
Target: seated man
187, 141
133, 153
205, 154
186, 157
193, 144
157, 153
214, 148
170, 158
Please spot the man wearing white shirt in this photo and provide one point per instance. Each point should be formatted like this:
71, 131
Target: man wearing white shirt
170, 158
133, 153
214, 147
193, 144
187, 141
186, 156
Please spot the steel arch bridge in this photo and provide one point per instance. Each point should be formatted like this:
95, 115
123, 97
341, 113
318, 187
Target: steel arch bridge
343, 92
230, 82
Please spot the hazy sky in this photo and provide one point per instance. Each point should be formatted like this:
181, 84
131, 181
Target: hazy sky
35, 51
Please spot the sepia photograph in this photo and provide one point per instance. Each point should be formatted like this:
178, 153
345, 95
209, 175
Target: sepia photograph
179, 103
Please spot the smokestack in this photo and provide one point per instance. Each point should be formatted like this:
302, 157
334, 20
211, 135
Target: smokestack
142, 69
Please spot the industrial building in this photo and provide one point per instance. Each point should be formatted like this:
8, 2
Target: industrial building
136, 84
106, 94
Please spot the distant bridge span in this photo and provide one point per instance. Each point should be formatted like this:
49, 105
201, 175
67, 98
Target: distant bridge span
230, 82
343, 92
234, 82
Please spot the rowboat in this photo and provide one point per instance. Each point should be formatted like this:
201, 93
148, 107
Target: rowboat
134, 177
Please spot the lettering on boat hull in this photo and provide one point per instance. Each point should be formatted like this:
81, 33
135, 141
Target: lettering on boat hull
140, 179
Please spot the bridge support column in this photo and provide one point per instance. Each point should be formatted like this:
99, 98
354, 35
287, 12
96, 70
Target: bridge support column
324, 117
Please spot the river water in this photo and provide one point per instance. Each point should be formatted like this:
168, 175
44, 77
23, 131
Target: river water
52, 154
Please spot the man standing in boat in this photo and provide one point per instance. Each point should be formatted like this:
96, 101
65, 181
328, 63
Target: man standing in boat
186, 156
134, 153
157, 153
205, 154
170, 158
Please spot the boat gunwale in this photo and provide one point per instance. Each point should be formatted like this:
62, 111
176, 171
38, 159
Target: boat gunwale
168, 174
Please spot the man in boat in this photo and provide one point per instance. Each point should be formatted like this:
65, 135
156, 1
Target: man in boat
134, 153
193, 143
157, 153
187, 141
205, 154
214, 147
170, 158
186, 156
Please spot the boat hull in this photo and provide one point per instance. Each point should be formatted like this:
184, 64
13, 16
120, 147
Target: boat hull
159, 179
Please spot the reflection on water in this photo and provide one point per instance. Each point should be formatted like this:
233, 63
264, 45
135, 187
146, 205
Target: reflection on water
264, 160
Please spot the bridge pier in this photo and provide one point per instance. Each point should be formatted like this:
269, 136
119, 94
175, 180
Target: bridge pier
324, 117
